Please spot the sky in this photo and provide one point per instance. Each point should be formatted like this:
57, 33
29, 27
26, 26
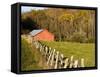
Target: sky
29, 8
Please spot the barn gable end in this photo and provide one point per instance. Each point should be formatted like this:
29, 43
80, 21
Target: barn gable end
42, 34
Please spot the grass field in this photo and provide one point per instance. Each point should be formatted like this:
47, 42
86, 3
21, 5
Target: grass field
31, 59
78, 50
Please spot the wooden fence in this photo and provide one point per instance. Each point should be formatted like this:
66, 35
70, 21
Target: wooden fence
57, 60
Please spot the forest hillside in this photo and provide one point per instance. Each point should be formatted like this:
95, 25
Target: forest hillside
73, 25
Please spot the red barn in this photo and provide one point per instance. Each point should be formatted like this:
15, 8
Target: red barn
42, 34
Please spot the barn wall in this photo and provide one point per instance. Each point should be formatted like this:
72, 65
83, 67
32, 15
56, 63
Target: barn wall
45, 36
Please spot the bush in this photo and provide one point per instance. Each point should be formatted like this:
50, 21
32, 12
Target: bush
90, 40
78, 37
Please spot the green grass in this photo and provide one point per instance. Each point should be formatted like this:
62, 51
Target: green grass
78, 50
29, 56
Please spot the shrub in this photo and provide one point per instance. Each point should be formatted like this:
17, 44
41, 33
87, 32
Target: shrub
78, 37
90, 40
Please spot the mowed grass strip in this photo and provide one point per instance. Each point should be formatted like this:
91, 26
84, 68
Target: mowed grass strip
78, 50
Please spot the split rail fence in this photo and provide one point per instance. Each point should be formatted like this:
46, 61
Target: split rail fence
55, 59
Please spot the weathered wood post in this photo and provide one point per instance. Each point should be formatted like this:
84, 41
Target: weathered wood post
82, 63
66, 63
75, 64
71, 62
48, 54
40, 48
33, 42
37, 44
56, 62
49, 50
52, 58
43, 51
46, 51
49, 57
43, 48
61, 56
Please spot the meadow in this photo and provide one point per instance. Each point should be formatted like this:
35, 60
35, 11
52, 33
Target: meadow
31, 59
78, 50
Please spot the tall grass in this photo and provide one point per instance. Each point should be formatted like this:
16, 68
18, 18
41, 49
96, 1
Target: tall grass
29, 59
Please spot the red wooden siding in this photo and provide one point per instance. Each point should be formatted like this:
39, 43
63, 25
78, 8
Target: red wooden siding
44, 36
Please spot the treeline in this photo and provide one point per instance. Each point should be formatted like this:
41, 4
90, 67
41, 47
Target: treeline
65, 24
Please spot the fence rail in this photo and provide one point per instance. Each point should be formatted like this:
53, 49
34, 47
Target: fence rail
55, 59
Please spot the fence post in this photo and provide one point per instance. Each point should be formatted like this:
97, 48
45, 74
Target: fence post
37, 44
46, 51
40, 48
52, 58
82, 62
60, 61
66, 63
56, 60
61, 56
49, 57
75, 65
71, 62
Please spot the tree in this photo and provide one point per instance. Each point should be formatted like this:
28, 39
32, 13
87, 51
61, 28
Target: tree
65, 24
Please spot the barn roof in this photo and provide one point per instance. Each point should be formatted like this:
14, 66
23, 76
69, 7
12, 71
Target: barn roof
35, 32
